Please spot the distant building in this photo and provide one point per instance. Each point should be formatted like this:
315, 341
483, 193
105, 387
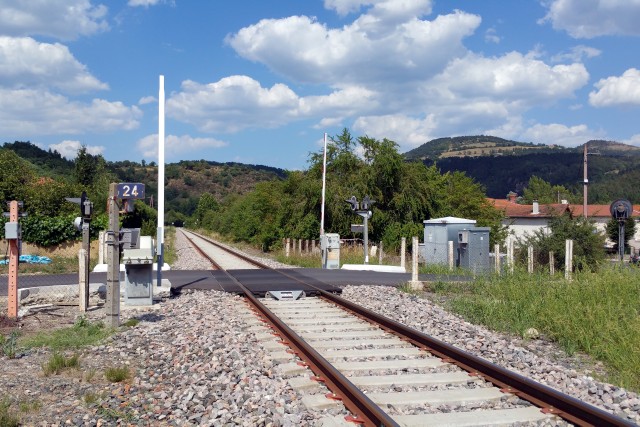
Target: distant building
523, 220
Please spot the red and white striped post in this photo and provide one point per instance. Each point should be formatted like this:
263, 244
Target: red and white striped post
12, 311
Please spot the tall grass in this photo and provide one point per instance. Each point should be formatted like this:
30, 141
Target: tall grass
596, 313
169, 254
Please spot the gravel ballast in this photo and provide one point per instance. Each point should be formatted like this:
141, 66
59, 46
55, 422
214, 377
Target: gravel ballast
195, 360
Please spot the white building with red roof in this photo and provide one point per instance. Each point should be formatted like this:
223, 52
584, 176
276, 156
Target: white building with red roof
523, 220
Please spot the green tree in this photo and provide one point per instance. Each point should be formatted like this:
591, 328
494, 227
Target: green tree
207, 208
406, 193
46, 197
86, 167
15, 176
613, 231
143, 217
588, 244
545, 193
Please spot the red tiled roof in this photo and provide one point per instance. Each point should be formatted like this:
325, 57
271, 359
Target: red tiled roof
514, 210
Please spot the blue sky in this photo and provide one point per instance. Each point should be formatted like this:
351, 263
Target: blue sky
259, 82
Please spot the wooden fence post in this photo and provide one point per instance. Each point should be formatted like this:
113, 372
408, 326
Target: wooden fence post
530, 259
403, 252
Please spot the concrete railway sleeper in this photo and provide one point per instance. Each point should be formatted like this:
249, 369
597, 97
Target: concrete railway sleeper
387, 374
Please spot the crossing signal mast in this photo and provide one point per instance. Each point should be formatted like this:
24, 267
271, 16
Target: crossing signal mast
364, 210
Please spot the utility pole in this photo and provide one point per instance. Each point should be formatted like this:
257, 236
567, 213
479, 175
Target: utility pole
585, 184
13, 236
113, 260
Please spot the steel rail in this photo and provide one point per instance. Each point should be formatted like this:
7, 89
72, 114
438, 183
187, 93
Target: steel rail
352, 397
201, 252
548, 399
236, 253
366, 411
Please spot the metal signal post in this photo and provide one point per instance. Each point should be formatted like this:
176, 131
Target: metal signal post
362, 209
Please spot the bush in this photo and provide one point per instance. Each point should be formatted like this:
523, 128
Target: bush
50, 231
588, 244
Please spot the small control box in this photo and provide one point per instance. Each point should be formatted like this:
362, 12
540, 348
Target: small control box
12, 230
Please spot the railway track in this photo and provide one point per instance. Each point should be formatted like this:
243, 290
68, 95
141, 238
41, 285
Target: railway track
385, 373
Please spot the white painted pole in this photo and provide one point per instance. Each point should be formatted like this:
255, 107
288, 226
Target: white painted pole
568, 259
324, 183
160, 238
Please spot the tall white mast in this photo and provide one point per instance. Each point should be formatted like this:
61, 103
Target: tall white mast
324, 183
160, 238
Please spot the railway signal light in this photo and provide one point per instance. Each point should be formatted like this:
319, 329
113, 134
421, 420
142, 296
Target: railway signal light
366, 203
354, 203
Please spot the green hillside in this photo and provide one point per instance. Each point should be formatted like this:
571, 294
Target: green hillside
613, 167
186, 181
475, 146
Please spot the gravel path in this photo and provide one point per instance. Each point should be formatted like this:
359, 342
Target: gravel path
194, 361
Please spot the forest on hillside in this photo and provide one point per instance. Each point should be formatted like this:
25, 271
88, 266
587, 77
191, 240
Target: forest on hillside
405, 194
261, 204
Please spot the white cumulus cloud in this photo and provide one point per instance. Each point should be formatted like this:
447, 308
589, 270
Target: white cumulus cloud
24, 62
175, 145
560, 134
69, 148
231, 104
613, 91
406, 131
634, 140
592, 18
513, 76
364, 52
143, 3
147, 100
381, 7
38, 112
61, 19
577, 54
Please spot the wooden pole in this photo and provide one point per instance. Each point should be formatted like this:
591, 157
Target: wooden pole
113, 260
14, 258
403, 252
